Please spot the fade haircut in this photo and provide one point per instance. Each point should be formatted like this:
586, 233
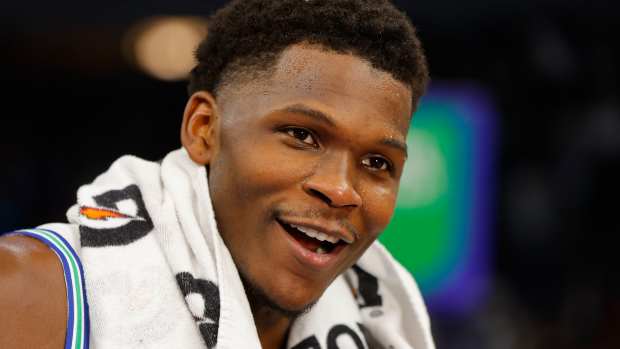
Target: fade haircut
246, 38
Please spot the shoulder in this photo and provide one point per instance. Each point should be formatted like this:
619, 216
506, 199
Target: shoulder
32, 289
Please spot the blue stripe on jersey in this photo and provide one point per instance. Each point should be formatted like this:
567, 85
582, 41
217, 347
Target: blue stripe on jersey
78, 322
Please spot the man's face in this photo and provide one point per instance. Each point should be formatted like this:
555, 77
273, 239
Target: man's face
317, 147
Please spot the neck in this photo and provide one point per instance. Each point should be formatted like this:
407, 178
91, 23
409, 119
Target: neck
272, 321
272, 326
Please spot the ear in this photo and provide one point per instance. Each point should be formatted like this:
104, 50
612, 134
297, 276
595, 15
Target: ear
200, 128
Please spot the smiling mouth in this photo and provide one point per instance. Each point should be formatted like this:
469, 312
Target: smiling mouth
312, 240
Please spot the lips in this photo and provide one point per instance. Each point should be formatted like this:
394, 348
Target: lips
315, 234
313, 247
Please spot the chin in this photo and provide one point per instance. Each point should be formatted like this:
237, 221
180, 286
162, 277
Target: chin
294, 299
289, 298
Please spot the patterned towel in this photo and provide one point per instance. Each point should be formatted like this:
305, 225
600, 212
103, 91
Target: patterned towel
158, 274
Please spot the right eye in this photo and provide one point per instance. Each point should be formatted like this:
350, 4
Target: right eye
302, 135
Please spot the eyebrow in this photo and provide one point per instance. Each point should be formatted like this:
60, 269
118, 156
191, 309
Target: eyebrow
312, 113
395, 143
327, 119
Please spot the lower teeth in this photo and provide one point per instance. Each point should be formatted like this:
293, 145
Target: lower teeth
320, 250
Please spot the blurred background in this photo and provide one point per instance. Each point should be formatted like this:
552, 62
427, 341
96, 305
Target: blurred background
516, 147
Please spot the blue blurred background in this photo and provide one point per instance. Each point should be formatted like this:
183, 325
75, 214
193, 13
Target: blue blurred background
513, 242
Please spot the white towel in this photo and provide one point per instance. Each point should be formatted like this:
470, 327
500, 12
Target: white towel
158, 274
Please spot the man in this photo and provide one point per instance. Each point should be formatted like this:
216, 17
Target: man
261, 230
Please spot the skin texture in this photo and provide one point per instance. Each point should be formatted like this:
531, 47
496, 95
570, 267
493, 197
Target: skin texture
333, 173
32, 295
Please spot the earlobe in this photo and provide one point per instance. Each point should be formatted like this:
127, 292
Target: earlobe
199, 131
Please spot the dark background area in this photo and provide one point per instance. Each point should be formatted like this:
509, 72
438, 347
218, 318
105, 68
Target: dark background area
72, 104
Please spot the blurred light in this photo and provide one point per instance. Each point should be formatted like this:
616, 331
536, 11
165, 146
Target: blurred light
440, 230
426, 171
163, 47
553, 55
602, 127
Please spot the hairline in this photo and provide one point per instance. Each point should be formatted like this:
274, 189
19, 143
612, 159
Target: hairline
238, 73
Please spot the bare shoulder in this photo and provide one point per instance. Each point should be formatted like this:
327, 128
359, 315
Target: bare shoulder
32, 295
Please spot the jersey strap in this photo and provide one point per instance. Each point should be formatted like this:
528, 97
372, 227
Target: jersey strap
78, 324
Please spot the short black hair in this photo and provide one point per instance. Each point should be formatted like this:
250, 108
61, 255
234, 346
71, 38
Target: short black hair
250, 35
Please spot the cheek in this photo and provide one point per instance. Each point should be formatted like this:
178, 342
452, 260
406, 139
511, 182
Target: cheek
379, 206
253, 170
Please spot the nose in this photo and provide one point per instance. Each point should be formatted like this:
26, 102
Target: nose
331, 182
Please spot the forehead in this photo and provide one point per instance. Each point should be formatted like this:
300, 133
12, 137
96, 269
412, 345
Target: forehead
341, 83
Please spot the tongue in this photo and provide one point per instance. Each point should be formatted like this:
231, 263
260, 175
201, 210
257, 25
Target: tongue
306, 241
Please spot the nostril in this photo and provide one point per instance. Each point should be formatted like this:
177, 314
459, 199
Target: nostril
321, 196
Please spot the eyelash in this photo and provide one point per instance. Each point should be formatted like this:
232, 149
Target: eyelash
386, 166
386, 163
306, 133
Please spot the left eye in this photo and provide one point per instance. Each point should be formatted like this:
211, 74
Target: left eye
376, 163
303, 135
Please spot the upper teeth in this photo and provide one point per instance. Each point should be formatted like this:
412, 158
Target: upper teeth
316, 234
